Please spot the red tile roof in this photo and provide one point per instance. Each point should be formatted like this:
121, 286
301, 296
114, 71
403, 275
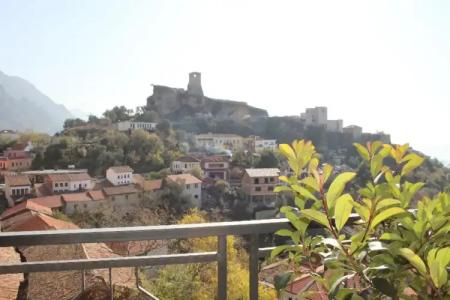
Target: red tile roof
151, 185
69, 177
49, 201
97, 195
25, 206
121, 169
184, 179
77, 197
305, 283
19, 180
120, 190
42, 222
215, 158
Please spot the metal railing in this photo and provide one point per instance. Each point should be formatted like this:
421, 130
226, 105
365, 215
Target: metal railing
163, 232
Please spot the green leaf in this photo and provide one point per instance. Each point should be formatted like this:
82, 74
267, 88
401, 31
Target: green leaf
335, 287
281, 281
316, 216
362, 151
414, 260
388, 236
304, 192
387, 202
443, 256
438, 274
362, 211
311, 182
284, 232
278, 250
385, 215
414, 161
287, 151
384, 287
282, 188
343, 210
327, 170
338, 185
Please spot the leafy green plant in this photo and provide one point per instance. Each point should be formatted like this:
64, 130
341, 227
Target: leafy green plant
375, 246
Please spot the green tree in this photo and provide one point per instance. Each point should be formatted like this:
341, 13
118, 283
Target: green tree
199, 281
70, 123
268, 159
118, 113
392, 251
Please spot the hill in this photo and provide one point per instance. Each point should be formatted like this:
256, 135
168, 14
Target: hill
24, 107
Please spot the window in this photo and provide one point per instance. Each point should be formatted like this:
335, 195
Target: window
196, 185
85, 205
188, 186
271, 179
118, 177
266, 180
126, 197
196, 196
112, 198
256, 181
66, 184
56, 185
75, 206
270, 188
258, 189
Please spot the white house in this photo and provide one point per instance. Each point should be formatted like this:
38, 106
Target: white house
131, 125
219, 141
119, 175
184, 164
59, 183
261, 145
16, 187
192, 186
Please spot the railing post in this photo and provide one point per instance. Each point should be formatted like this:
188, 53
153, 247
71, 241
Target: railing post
253, 266
111, 287
222, 267
83, 280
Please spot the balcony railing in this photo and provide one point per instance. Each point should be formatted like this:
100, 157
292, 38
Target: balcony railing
163, 232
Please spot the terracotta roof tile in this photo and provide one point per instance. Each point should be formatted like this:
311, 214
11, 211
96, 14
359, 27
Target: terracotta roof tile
76, 197
121, 169
49, 201
187, 158
18, 180
42, 222
69, 177
25, 206
184, 179
151, 185
97, 195
120, 190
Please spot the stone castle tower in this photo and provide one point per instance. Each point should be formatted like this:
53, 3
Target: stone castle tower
195, 85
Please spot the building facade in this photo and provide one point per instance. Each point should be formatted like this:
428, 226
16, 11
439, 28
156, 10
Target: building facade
63, 183
132, 125
354, 130
258, 184
192, 186
17, 188
223, 141
216, 167
184, 164
119, 175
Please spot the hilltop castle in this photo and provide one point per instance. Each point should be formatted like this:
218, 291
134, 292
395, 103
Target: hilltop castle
177, 104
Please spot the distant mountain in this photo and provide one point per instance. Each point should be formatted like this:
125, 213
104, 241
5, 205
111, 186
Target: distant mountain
24, 107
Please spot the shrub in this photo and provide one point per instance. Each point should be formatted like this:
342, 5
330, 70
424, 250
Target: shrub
393, 251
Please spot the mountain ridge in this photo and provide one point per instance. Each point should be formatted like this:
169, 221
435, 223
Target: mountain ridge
24, 107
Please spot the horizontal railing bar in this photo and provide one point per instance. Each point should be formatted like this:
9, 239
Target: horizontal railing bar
105, 263
263, 252
122, 234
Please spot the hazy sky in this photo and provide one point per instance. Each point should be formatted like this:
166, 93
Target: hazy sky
384, 65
